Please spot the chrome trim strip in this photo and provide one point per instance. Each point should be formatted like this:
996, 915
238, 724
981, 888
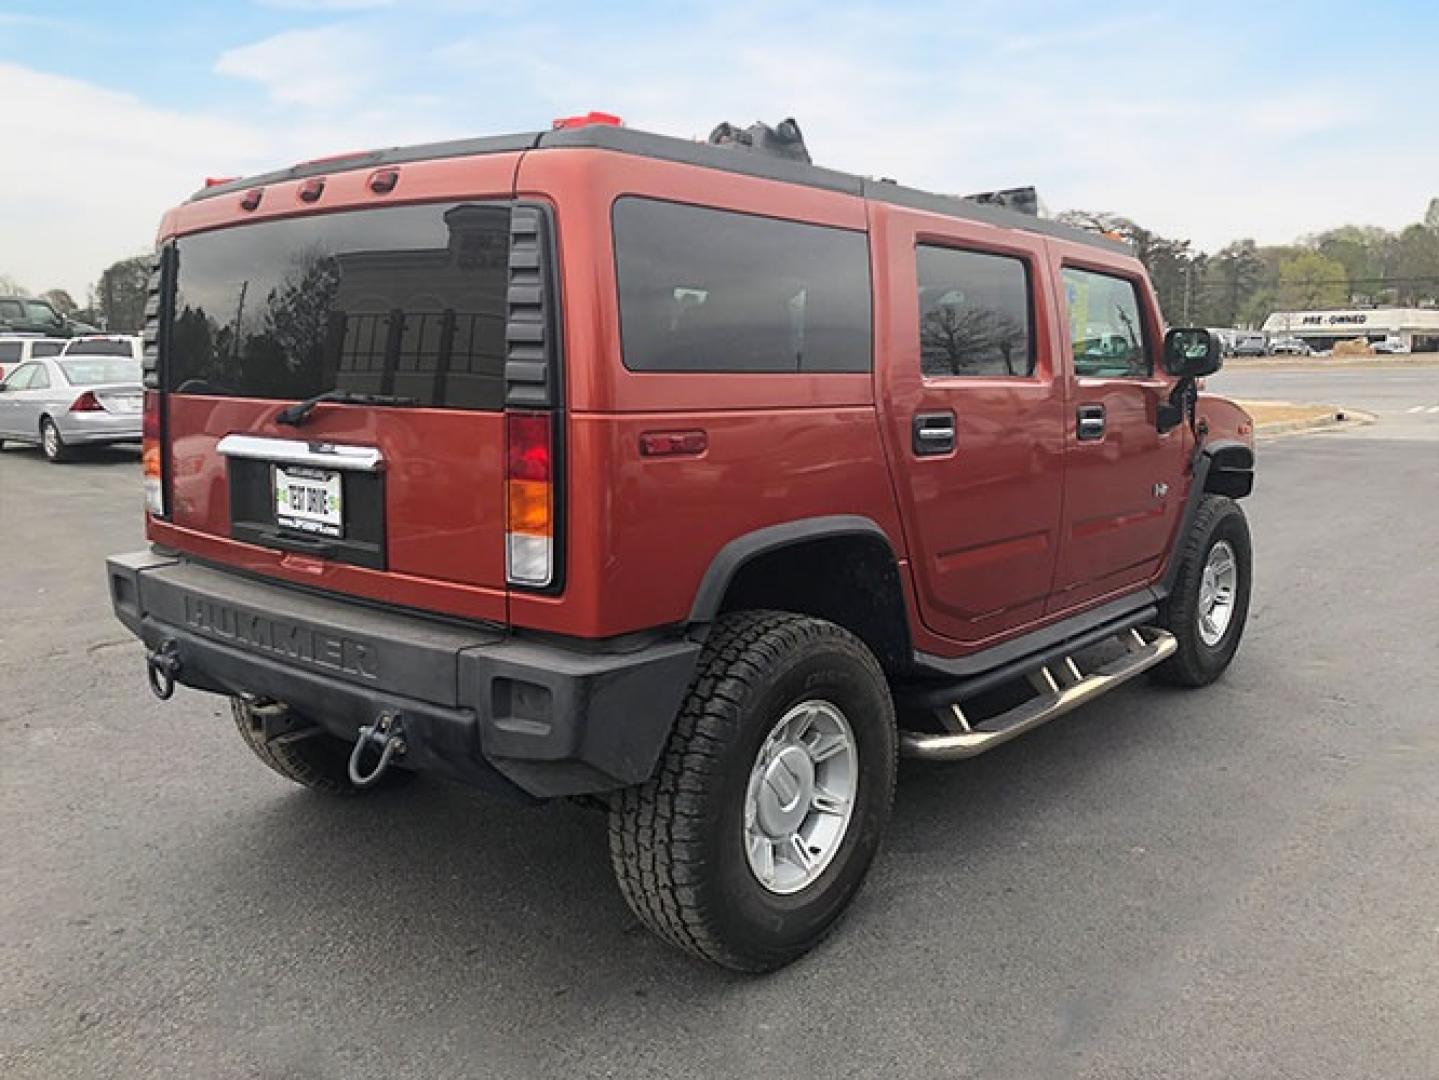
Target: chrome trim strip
320, 455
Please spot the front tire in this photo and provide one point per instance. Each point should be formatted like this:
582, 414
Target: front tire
1209, 606
771, 798
51, 444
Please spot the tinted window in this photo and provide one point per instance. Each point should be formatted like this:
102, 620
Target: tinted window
404, 300
1106, 329
974, 313
100, 370
100, 347
40, 312
710, 290
39, 378
11, 309
9, 352
47, 348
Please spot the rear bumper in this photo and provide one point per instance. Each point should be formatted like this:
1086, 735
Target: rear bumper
480, 705
98, 427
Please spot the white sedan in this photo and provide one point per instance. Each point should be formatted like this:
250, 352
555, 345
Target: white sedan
89, 394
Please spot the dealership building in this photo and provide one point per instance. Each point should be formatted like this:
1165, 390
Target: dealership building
1418, 328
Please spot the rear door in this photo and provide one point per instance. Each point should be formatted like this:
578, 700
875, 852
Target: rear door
403, 503
974, 417
1123, 486
30, 402
11, 401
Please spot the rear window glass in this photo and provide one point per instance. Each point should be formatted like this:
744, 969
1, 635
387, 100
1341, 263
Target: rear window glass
712, 290
100, 370
98, 347
405, 300
974, 313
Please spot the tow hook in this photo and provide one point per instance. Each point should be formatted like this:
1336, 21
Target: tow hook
161, 667
387, 734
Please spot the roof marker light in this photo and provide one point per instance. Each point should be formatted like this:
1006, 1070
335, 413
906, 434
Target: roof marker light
384, 181
252, 198
216, 181
310, 190
562, 122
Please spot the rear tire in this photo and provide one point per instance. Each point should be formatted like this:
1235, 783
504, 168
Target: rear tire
313, 759
786, 744
51, 444
1208, 608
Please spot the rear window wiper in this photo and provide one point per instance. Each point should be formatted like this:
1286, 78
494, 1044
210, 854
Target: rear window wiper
298, 413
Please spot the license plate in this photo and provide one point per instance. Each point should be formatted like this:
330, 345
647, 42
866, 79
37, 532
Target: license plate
308, 500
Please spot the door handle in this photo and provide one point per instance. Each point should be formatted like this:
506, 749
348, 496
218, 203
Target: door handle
933, 433
1091, 423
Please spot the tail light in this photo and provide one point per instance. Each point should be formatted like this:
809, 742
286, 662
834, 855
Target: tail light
529, 499
151, 459
87, 402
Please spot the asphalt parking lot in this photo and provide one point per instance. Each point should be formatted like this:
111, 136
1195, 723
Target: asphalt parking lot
1236, 882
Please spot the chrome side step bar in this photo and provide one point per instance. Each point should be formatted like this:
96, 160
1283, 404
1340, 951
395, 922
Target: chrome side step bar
1059, 687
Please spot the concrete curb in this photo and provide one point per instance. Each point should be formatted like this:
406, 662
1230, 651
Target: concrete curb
1339, 418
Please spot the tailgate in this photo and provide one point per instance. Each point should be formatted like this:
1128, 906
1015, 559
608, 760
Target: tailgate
402, 500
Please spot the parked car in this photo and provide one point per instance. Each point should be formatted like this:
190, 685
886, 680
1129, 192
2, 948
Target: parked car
126, 346
1249, 345
1389, 345
1290, 346
75, 399
16, 349
675, 476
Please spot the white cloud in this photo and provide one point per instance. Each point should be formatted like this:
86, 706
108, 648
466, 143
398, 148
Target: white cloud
324, 68
101, 168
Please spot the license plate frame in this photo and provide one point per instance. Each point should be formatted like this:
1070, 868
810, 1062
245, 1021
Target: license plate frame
309, 500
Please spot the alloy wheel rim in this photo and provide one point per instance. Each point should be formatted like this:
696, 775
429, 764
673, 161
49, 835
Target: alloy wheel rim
52, 440
1218, 584
800, 797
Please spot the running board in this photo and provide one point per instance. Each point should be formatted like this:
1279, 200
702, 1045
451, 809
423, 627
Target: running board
1060, 687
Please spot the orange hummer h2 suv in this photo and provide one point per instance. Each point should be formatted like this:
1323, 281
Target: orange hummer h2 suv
688, 478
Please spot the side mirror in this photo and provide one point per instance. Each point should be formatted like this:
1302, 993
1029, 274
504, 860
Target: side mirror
1192, 352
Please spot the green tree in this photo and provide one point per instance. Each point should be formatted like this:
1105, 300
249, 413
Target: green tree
1416, 265
1231, 278
1310, 280
120, 294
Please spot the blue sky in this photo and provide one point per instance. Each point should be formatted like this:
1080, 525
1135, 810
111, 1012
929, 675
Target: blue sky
1205, 120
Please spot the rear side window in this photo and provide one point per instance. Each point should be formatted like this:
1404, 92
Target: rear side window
19, 379
712, 290
11, 309
406, 300
1106, 328
47, 348
39, 378
9, 352
974, 313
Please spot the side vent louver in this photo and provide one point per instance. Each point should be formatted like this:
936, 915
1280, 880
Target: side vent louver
529, 326
157, 295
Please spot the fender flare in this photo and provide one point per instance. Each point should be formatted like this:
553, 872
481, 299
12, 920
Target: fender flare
1223, 467
731, 558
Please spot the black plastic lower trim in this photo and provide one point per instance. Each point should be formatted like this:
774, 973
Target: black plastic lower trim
480, 705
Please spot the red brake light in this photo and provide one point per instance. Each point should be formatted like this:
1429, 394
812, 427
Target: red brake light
86, 402
216, 181
151, 463
561, 122
529, 500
